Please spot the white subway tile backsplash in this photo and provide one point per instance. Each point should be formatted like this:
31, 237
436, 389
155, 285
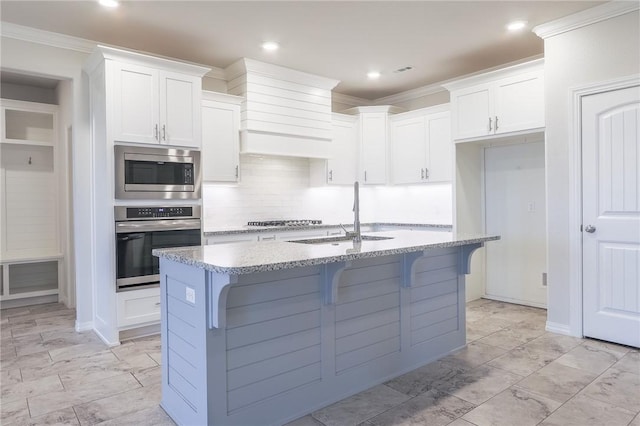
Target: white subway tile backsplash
278, 188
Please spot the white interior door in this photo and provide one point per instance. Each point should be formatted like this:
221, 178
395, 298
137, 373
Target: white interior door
515, 210
611, 216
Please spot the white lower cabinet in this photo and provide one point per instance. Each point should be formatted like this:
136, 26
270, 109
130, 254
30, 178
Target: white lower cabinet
138, 307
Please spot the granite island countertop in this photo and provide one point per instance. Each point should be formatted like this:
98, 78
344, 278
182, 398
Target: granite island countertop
250, 257
231, 230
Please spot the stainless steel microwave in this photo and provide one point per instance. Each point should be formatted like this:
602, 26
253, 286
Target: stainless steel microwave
156, 173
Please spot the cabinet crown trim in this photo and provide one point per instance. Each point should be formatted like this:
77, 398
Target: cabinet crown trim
491, 76
102, 53
584, 18
246, 65
221, 97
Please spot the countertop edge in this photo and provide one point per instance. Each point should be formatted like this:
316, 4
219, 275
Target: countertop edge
174, 255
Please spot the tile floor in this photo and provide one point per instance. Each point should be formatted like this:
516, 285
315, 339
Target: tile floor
511, 373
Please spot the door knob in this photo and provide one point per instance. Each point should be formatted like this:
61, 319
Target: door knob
590, 229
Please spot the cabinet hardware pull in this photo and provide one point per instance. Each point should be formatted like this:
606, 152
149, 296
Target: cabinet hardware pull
365, 175
155, 133
496, 123
426, 174
490, 124
330, 175
158, 304
164, 132
421, 173
236, 172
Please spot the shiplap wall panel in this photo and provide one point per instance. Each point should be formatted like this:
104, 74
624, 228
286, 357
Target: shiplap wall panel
430, 332
272, 335
30, 201
33, 276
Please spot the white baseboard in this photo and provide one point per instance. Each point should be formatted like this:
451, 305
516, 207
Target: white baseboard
84, 326
558, 328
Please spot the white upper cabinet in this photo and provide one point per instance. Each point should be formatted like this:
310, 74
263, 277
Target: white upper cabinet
147, 99
373, 147
220, 137
341, 168
502, 102
421, 146
155, 106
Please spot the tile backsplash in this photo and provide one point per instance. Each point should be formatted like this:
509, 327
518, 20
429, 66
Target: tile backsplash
278, 188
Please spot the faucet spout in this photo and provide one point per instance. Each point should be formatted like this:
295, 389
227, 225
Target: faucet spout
357, 237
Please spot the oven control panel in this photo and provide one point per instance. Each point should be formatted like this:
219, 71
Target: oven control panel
153, 212
129, 213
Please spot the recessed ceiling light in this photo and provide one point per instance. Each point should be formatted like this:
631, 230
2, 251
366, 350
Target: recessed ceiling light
270, 46
109, 3
516, 25
373, 75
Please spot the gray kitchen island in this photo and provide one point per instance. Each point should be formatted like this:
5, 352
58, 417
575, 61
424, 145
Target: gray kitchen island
263, 333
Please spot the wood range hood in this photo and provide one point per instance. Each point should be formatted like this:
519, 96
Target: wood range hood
285, 112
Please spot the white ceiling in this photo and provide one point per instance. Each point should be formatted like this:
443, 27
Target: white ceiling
441, 40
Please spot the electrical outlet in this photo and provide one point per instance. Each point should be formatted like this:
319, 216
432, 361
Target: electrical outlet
531, 207
190, 295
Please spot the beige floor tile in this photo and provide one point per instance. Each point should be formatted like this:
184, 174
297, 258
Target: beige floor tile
25, 389
10, 377
122, 404
77, 351
26, 361
554, 343
512, 407
523, 361
305, 421
557, 381
426, 378
156, 356
14, 412
150, 376
66, 416
52, 401
635, 421
590, 357
460, 422
84, 365
475, 354
616, 387
480, 384
433, 408
583, 411
14, 312
614, 348
8, 352
151, 416
360, 407
630, 362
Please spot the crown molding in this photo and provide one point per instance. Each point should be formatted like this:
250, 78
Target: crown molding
585, 17
251, 66
350, 100
500, 71
77, 44
410, 95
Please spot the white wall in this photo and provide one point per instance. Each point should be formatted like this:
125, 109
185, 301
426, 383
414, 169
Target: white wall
595, 53
28, 93
278, 188
63, 64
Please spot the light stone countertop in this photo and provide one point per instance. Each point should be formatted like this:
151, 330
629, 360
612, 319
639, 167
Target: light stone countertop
249, 257
232, 230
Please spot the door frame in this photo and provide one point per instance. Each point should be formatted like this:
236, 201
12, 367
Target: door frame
575, 326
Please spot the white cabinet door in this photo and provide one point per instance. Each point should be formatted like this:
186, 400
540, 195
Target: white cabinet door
373, 147
472, 110
440, 145
409, 149
138, 307
343, 161
135, 103
519, 103
179, 109
220, 141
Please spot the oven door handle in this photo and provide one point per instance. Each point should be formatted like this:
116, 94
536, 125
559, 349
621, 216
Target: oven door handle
131, 237
157, 225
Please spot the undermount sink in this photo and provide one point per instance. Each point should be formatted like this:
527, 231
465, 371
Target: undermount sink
343, 238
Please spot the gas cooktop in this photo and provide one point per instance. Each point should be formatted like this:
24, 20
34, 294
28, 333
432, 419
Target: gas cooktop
290, 222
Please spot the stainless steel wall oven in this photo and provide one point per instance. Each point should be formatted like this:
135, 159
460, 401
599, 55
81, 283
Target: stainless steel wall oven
139, 230
156, 173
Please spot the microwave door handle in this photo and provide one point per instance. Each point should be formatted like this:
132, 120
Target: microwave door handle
131, 237
158, 158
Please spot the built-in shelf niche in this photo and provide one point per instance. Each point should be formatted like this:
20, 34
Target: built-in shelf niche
29, 126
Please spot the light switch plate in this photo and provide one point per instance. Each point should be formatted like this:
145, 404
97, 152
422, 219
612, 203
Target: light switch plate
190, 295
